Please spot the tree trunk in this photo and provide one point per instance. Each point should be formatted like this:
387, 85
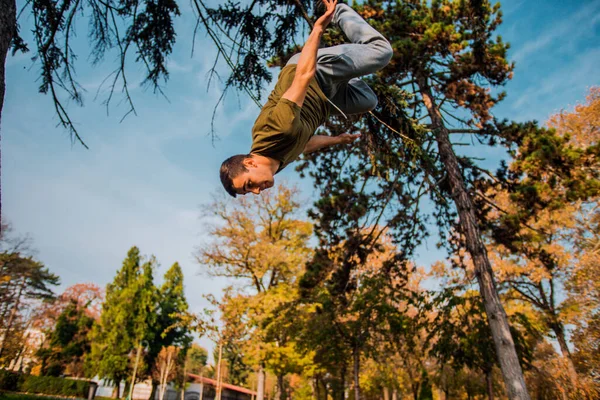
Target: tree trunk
183, 383
559, 331
394, 394
260, 385
415, 389
316, 387
117, 390
490, 385
386, 393
8, 27
356, 355
280, 395
503, 341
153, 390
218, 394
343, 382
11, 319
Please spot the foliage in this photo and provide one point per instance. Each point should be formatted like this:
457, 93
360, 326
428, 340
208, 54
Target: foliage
197, 357
52, 385
257, 240
166, 368
21, 396
586, 340
23, 281
48, 385
68, 343
145, 27
127, 313
540, 218
168, 329
9, 380
86, 296
262, 244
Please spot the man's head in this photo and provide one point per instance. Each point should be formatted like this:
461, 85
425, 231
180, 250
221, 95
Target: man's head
245, 173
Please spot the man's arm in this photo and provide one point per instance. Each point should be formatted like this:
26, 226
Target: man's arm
317, 142
307, 63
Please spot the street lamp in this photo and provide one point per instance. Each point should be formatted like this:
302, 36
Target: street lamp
137, 360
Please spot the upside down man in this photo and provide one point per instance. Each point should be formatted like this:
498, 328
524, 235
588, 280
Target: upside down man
314, 84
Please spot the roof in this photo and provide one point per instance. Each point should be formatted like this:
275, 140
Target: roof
213, 382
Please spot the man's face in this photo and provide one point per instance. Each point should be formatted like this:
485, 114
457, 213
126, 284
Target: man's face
257, 179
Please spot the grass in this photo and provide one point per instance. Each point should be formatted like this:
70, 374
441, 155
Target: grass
25, 396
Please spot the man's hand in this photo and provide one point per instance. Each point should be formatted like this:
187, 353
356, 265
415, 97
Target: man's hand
346, 138
319, 141
326, 18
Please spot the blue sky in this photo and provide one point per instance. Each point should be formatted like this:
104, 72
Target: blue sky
144, 180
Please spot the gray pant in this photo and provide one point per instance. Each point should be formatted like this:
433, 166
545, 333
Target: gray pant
339, 67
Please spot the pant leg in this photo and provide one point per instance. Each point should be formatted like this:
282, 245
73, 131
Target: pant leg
337, 65
354, 97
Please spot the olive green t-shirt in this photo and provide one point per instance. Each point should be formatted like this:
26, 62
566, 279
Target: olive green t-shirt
282, 128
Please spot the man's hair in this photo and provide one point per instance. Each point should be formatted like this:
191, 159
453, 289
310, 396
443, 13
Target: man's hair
230, 169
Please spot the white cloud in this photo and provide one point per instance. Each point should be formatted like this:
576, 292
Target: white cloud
573, 27
550, 93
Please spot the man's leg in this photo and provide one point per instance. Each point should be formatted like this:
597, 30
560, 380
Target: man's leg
338, 66
354, 97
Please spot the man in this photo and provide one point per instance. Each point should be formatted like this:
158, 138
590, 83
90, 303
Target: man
310, 82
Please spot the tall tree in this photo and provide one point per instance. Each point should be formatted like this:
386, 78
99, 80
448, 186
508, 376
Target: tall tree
435, 85
539, 207
168, 329
436, 50
261, 243
461, 335
22, 279
126, 320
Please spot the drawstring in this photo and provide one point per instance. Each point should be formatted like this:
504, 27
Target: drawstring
337, 108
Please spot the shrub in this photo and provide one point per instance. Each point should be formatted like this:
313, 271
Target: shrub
8, 380
21, 396
53, 385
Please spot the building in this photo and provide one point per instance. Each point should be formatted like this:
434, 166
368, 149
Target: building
206, 390
200, 388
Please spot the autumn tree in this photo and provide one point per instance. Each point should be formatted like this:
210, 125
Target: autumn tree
68, 343
445, 59
86, 296
462, 338
345, 325
166, 367
537, 211
260, 242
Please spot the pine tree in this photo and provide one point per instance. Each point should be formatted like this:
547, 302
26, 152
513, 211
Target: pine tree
126, 318
172, 304
22, 279
438, 83
167, 327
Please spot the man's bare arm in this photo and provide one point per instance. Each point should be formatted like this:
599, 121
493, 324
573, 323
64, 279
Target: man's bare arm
307, 63
318, 141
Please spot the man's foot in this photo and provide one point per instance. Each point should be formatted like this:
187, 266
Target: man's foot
319, 8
